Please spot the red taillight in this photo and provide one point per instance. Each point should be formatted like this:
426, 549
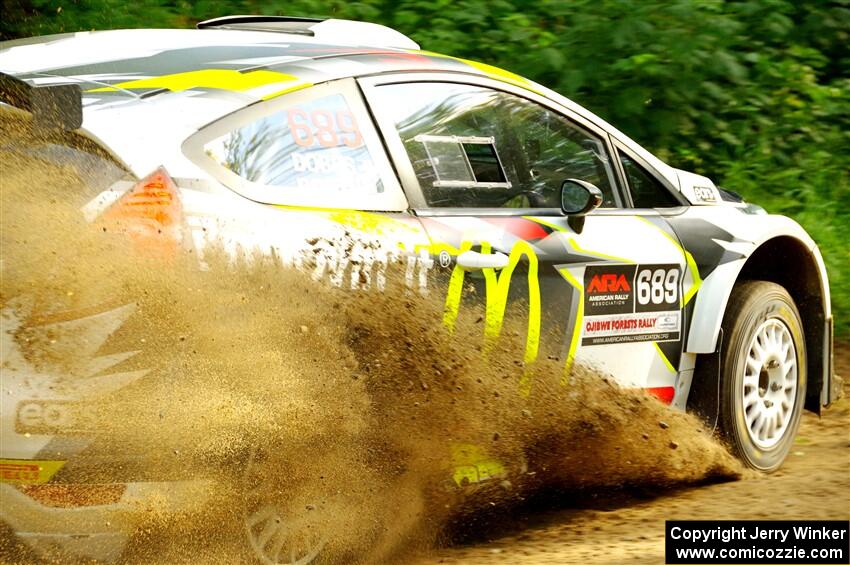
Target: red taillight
150, 213
663, 393
70, 496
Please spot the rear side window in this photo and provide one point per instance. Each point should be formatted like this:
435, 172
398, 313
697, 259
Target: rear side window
647, 191
315, 147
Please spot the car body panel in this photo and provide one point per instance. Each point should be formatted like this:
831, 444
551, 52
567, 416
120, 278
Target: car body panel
721, 239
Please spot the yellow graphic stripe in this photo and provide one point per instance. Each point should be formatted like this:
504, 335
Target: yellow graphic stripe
497, 287
555, 227
576, 337
666, 361
496, 313
492, 72
222, 79
493, 317
367, 222
689, 259
455, 292
504, 76
28, 471
287, 90
692, 265
614, 258
574, 244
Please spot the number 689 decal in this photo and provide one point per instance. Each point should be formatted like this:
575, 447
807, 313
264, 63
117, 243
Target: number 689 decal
657, 287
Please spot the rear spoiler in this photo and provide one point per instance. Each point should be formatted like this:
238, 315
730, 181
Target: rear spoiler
330, 31
53, 107
284, 24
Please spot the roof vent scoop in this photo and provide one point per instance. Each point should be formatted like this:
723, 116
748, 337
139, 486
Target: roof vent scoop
330, 31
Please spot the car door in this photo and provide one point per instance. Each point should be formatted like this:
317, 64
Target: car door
482, 163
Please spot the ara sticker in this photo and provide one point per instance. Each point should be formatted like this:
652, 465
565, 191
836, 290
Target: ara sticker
629, 303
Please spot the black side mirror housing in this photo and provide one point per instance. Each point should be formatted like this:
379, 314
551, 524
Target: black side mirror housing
579, 198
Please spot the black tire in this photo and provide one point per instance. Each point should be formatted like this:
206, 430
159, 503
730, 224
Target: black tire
749, 397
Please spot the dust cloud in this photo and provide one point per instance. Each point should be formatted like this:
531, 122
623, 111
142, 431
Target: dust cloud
349, 412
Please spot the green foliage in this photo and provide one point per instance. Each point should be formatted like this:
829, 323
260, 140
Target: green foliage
752, 93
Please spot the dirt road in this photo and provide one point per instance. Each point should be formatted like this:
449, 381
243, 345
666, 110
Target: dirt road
813, 484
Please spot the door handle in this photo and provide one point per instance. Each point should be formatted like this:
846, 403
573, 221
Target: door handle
473, 260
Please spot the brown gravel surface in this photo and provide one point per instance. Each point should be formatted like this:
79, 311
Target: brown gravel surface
813, 484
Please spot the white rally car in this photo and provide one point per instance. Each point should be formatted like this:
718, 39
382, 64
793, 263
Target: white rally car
293, 135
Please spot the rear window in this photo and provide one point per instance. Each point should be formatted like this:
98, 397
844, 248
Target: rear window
315, 147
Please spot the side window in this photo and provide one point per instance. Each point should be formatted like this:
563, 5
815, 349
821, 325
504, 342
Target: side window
475, 147
646, 191
315, 147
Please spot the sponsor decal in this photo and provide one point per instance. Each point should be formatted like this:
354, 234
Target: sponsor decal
323, 127
608, 290
472, 464
628, 303
44, 417
28, 471
704, 194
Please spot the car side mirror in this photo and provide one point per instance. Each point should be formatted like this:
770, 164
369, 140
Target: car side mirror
579, 198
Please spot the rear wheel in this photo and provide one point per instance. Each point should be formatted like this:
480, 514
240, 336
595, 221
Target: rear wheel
311, 502
763, 374
282, 526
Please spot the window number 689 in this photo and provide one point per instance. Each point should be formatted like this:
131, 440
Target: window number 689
658, 286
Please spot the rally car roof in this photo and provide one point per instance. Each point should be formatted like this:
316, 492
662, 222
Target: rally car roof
109, 65
165, 84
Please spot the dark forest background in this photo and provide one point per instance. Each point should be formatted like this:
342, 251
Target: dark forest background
752, 93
